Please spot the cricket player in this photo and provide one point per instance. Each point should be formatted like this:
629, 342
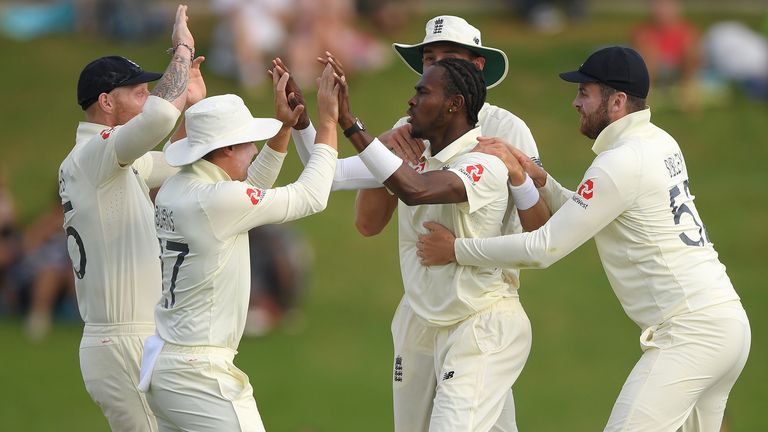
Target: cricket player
636, 201
445, 37
473, 325
108, 217
203, 215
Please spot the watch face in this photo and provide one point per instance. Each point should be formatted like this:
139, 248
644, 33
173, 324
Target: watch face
359, 125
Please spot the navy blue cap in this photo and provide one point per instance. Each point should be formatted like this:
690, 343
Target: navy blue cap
617, 67
106, 74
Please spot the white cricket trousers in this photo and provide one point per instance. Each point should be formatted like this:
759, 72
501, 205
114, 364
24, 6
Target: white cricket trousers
109, 362
459, 378
688, 367
200, 389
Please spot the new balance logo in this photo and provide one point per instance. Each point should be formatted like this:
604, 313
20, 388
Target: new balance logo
438, 26
398, 369
447, 375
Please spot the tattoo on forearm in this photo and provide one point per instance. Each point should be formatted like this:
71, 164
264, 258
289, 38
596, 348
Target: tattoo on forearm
174, 81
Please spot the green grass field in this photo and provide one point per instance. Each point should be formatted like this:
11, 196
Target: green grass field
334, 373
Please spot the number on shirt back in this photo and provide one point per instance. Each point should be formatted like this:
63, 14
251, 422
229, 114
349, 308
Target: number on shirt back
169, 299
679, 212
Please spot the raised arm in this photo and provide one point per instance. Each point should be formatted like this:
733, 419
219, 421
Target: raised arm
157, 120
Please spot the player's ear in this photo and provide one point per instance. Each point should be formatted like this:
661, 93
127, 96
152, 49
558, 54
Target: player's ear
105, 103
479, 62
456, 103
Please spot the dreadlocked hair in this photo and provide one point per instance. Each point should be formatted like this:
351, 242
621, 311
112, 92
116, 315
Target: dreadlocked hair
464, 78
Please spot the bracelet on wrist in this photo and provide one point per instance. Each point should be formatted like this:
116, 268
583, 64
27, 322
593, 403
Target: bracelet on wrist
172, 50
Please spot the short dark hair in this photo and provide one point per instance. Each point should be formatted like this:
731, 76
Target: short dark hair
464, 78
634, 103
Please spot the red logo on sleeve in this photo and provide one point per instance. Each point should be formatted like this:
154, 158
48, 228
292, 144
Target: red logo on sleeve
475, 171
106, 132
585, 190
255, 195
420, 167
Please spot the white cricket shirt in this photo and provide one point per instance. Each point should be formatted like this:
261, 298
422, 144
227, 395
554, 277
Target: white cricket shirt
108, 216
351, 173
636, 201
445, 295
203, 218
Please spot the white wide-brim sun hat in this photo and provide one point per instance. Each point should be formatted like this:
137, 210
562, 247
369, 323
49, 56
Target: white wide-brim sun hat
216, 122
447, 28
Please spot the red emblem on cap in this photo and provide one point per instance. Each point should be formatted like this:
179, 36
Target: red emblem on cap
475, 171
106, 132
255, 195
585, 190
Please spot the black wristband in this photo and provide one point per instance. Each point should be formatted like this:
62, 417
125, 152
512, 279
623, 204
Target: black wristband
356, 127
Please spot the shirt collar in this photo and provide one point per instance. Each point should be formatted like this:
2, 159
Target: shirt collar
462, 144
87, 130
207, 170
610, 136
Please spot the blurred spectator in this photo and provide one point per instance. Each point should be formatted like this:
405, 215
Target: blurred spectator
280, 264
671, 48
31, 21
739, 54
10, 246
387, 16
327, 25
43, 278
546, 17
249, 32
124, 20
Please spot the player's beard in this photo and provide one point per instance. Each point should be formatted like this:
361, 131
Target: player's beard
421, 132
594, 123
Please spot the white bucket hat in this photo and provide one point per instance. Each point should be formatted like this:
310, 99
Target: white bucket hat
447, 28
216, 122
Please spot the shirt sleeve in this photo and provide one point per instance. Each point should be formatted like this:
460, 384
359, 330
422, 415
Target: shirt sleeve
351, 173
483, 176
153, 168
264, 170
554, 194
236, 207
304, 141
145, 131
602, 196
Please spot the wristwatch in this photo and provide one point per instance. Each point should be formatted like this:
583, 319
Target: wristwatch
356, 127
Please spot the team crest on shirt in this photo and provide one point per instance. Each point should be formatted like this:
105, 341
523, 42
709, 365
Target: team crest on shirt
584, 193
585, 190
255, 194
473, 172
106, 133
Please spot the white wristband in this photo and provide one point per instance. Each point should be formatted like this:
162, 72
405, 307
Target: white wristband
381, 162
526, 195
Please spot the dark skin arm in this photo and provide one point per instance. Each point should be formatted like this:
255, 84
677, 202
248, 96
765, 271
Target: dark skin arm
373, 210
434, 187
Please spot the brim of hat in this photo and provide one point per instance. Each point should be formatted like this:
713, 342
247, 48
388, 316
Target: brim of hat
142, 78
577, 77
179, 153
494, 71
